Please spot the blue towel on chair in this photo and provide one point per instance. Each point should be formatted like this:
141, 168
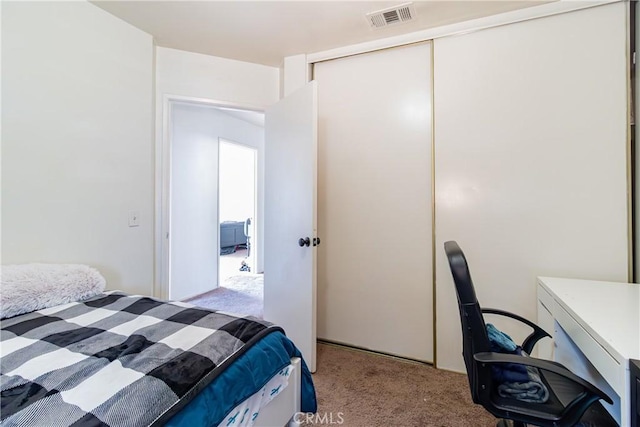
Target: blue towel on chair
502, 343
515, 381
532, 390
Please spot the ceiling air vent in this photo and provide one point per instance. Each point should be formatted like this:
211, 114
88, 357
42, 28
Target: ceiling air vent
392, 15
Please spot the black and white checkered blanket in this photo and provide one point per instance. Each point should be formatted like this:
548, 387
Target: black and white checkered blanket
114, 360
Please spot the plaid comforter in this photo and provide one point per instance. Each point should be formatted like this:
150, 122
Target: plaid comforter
114, 360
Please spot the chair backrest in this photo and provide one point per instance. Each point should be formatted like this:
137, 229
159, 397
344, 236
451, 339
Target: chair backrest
474, 333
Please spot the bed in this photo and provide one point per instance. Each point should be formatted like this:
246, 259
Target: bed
112, 359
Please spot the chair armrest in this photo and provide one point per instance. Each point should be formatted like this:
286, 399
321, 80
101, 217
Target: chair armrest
545, 365
537, 334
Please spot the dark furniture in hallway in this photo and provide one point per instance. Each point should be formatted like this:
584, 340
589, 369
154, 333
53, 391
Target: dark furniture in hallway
232, 234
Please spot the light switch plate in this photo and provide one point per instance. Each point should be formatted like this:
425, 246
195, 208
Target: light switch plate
134, 219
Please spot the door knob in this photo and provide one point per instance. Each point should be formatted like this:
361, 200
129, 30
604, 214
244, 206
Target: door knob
304, 242
316, 241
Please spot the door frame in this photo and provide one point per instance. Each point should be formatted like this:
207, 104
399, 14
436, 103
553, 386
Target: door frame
255, 219
162, 224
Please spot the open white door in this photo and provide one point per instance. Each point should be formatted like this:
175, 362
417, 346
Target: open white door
290, 215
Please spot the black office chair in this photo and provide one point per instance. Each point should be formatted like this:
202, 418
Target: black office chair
569, 395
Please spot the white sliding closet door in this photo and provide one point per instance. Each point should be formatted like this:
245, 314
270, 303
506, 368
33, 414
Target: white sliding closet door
374, 201
531, 168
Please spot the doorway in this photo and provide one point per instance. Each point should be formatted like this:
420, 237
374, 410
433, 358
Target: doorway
240, 284
196, 133
237, 208
292, 136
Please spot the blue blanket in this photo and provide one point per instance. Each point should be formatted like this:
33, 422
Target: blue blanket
502, 343
515, 380
248, 374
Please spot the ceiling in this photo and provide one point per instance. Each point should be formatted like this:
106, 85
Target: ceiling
264, 32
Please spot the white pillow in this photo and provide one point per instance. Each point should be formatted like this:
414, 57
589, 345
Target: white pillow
28, 287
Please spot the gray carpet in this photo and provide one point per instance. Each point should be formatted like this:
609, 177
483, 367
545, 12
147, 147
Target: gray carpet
241, 294
368, 390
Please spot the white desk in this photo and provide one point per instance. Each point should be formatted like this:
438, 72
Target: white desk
596, 330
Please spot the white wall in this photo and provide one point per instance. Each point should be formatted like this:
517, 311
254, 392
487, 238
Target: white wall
187, 74
77, 140
295, 73
220, 79
194, 192
530, 160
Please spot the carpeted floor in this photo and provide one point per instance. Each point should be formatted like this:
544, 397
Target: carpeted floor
368, 390
241, 294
